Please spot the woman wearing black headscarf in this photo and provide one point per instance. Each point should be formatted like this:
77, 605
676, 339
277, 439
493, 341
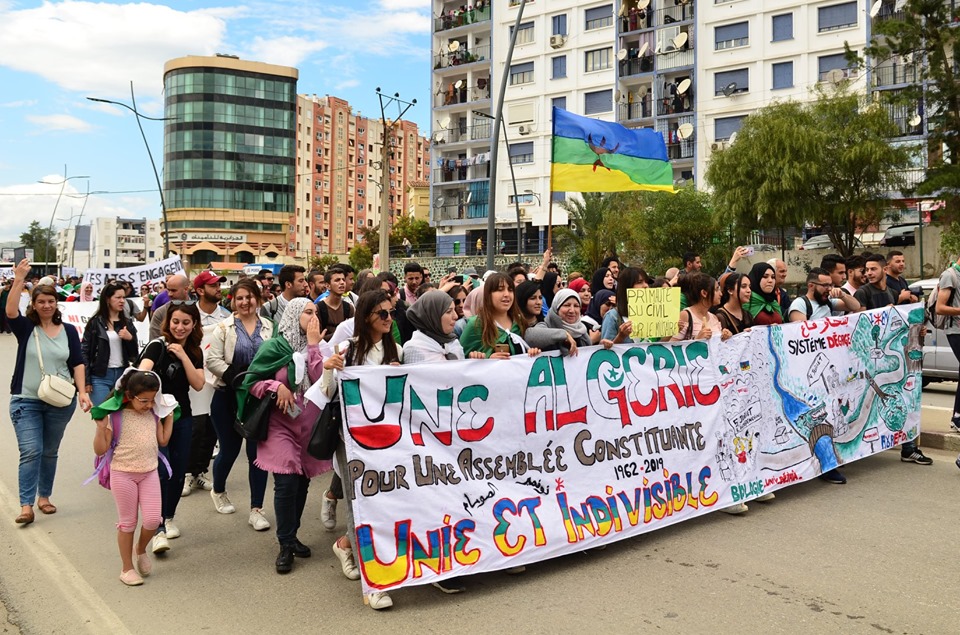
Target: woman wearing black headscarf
601, 302
529, 300
764, 305
549, 286
434, 316
603, 278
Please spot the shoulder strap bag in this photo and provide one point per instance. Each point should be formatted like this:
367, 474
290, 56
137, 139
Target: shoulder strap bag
53, 390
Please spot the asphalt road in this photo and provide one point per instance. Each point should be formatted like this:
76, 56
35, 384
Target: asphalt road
874, 556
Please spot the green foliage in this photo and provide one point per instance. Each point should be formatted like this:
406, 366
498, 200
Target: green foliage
596, 229
37, 238
322, 263
829, 162
417, 231
361, 257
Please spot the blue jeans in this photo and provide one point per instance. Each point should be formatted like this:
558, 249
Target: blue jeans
289, 499
102, 386
177, 453
221, 415
39, 427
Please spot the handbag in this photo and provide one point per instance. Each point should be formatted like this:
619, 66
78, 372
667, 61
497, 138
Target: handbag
253, 426
326, 432
53, 390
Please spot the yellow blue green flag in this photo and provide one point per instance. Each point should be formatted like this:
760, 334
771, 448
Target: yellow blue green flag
599, 156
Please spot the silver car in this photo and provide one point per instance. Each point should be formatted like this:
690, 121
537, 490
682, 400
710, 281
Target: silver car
939, 362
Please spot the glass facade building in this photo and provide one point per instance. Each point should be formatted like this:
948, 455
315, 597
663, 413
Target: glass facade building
229, 156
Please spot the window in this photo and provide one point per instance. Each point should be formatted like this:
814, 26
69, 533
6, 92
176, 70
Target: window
724, 127
783, 27
597, 102
598, 17
521, 73
521, 152
525, 34
559, 197
837, 16
559, 67
106, 252
731, 36
559, 102
782, 75
827, 63
740, 77
560, 24
598, 60
520, 199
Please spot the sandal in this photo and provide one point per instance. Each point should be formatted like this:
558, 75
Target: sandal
47, 508
25, 518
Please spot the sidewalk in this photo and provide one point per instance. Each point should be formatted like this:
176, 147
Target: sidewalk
935, 430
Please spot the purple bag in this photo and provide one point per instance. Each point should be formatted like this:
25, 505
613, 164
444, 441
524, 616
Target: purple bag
101, 464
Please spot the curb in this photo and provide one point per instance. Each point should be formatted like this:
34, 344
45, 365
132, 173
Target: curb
949, 441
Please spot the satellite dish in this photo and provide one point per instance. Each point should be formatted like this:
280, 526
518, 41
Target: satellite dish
454, 46
446, 123
459, 84
642, 92
729, 89
469, 198
684, 86
622, 54
643, 4
900, 5
875, 9
732, 138
438, 203
915, 120
643, 49
437, 137
685, 131
835, 76
680, 40
618, 95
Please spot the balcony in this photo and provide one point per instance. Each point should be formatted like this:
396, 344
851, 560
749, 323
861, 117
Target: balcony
894, 75
453, 96
456, 18
641, 109
889, 12
673, 13
845, 73
461, 57
668, 60
463, 134
459, 174
637, 20
453, 212
675, 104
636, 66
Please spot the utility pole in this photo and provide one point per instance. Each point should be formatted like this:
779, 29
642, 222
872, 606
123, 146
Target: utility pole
386, 153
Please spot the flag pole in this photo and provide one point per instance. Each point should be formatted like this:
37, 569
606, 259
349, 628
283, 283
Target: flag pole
550, 221
553, 136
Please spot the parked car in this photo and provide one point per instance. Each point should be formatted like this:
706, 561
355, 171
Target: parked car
939, 362
823, 242
763, 247
899, 236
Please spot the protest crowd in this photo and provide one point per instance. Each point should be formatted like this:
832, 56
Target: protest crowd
165, 413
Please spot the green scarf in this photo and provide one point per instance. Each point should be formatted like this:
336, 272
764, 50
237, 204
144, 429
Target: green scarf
273, 354
758, 303
115, 403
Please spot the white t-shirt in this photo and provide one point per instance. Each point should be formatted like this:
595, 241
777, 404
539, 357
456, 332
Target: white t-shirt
819, 310
116, 350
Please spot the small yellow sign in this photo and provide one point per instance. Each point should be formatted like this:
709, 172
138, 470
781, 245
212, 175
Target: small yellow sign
653, 312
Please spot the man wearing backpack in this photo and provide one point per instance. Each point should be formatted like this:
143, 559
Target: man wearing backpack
822, 299
294, 285
948, 307
332, 310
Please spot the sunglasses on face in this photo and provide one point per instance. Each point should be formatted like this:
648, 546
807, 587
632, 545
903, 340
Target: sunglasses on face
183, 302
385, 315
458, 302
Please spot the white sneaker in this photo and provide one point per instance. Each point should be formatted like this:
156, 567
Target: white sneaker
222, 503
216, 449
203, 482
738, 508
328, 512
160, 543
172, 530
258, 521
188, 485
378, 600
347, 563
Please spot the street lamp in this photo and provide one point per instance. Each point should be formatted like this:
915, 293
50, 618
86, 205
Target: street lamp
156, 175
513, 178
63, 184
386, 100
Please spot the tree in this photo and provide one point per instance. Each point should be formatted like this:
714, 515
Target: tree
597, 228
37, 238
361, 257
322, 263
829, 162
418, 231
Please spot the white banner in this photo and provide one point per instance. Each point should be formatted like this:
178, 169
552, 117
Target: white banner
144, 274
472, 466
79, 313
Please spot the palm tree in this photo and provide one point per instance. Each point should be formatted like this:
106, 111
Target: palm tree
588, 237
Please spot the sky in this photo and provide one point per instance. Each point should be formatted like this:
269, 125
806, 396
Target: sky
55, 54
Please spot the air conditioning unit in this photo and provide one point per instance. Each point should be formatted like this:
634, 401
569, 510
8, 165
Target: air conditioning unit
445, 229
525, 129
524, 213
718, 145
557, 41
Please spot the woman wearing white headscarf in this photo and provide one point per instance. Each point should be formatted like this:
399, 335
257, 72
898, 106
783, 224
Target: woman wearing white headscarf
287, 365
433, 316
564, 314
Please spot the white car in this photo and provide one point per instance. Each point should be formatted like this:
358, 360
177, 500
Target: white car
823, 242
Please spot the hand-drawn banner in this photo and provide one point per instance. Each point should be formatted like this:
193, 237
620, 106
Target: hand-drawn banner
654, 312
471, 466
144, 274
79, 313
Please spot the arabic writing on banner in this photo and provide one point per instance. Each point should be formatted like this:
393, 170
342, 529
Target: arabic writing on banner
478, 465
79, 313
144, 274
654, 312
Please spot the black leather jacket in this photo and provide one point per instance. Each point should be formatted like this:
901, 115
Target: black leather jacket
96, 347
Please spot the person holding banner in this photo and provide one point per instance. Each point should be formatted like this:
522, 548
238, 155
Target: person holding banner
497, 328
45, 345
109, 345
735, 296
177, 358
615, 327
696, 321
372, 346
433, 316
764, 305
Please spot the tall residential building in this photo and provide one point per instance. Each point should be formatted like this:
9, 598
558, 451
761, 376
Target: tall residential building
110, 243
229, 162
340, 170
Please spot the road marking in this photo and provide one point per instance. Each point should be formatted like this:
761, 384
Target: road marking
939, 408
91, 610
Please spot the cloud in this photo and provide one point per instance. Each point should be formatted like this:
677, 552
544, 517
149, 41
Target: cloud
285, 50
19, 104
347, 83
393, 5
97, 48
23, 203
51, 123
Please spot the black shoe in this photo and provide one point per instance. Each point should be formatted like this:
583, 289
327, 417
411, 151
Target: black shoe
285, 559
300, 550
916, 457
834, 476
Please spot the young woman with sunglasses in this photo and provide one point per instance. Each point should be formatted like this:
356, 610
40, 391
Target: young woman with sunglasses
497, 328
373, 345
176, 357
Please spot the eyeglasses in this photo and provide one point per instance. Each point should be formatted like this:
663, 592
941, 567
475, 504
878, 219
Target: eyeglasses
144, 401
825, 285
385, 315
183, 302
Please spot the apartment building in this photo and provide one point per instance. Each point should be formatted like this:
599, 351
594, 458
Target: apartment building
110, 243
